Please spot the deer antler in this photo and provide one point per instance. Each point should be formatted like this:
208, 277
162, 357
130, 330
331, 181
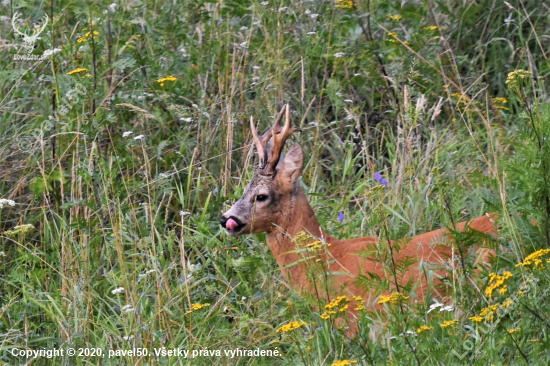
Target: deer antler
16, 29
39, 30
261, 142
279, 142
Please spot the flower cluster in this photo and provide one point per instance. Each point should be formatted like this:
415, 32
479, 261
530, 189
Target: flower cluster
514, 330
395, 17
291, 326
430, 28
496, 281
393, 38
316, 245
163, 80
394, 298
489, 312
499, 103
76, 71
196, 307
19, 230
424, 328
343, 363
360, 303
534, 261
346, 4
4, 202
340, 302
86, 36
449, 323
516, 77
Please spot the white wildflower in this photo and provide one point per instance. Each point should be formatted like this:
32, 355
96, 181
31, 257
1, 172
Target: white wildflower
256, 67
127, 133
434, 306
348, 100
447, 308
127, 338
51, 52
125, 307
185, 213
113, 7
243, 44
283, 9
307, 12
140, 137
243, 28
257, 22
117, 290
188, 119
4, 19
4, 202
314, 16
339, 54
2, 254
310, 33
264, 3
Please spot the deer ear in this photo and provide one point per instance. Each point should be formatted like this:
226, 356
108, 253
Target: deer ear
292, 165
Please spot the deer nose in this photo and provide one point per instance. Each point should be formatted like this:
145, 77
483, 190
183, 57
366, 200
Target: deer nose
223, 221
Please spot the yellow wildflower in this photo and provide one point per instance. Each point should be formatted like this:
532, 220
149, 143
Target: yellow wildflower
88, 75
516, 77
394, 298
326, 315
503, 290
495, 281
449, 323
291, 326
424, 328
395, 17
199, 306
76, 71
500, 100
533, 260
86, 36
346, 4
476, 319
515, 330
316, 245
360, 303
506, 303
343, 308
343, 363
169, 78
430, 28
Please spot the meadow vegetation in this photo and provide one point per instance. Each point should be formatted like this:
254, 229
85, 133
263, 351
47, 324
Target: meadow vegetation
120, 150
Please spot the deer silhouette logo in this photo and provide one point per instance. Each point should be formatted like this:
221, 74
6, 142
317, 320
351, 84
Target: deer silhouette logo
29, 40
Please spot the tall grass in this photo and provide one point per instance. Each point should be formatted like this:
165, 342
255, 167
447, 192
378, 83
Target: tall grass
125, 237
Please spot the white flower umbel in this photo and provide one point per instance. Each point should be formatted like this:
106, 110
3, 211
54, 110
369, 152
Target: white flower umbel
127, 338
140, 137
50, 52
5, 202
113, 7
447, 308
339, 54
434, 306
127, 133
117, 290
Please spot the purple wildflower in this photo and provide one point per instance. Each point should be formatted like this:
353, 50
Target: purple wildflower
378, 177
384, 182
341, 216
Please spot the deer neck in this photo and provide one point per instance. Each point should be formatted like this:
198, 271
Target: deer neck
300, 217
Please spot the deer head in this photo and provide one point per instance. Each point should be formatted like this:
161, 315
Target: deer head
269, 196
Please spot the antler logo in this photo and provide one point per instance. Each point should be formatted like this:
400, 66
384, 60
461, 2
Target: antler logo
29, 40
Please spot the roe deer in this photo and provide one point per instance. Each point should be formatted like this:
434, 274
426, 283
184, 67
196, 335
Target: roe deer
274, 203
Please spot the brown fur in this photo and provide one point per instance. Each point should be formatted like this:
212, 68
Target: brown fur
286, 212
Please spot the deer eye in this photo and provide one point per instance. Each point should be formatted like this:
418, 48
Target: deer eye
261, 197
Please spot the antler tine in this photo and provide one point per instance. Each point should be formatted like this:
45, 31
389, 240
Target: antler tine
275, 128
260, 147
279, 142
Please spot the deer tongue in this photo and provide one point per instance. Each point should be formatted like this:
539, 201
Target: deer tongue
231, 224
